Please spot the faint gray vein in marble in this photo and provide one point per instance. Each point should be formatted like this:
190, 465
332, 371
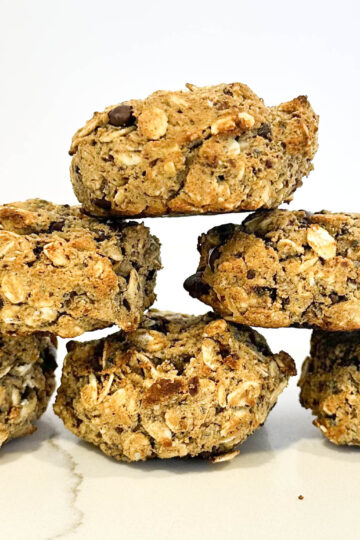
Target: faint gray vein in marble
76, 479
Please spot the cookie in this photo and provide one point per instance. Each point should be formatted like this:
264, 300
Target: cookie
27, 366
330, 385
206, 150
66, 273
178, 386
282, 268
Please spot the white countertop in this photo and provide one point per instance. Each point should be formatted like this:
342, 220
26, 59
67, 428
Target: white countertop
55, 486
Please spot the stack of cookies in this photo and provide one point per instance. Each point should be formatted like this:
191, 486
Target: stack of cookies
172, 385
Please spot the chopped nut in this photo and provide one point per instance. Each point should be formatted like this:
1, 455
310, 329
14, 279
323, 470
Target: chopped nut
7, 241
3, 436
221, 394
232, 148
178, 421
159, 431
321, 241
153, 123
136, 447
106, 388
56, 253
229, 456
223, 124
209, 354
127, 159
89, 391
245, 394
309, 263
246, 120
13, 289
215, 327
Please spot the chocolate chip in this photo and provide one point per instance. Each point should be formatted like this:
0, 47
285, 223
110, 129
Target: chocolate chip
264, 131
102, 203
350, 361
49, 360
214, 254
193, 386
268, 164
227, 91
225, 232
70, 346
251, 274
195, 144
159, 325
37, 250
195, 286
121, 116
336, 298
266, 291
108, 158
56, 226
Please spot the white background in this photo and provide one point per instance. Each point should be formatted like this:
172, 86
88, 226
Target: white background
60, 61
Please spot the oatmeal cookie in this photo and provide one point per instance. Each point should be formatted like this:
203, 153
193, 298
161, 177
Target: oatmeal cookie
27, 366
65, 273
207, 150
330, 385
283, 268
178, 386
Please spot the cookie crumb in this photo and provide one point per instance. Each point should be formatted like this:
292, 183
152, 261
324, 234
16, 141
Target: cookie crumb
301, 497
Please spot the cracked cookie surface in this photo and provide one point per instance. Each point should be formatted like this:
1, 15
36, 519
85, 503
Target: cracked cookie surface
282, 268
27, 381
207, 150
330, 385
66, 273
178, 386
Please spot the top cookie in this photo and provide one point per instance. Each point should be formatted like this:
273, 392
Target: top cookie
66, 273
207, 150
283, 268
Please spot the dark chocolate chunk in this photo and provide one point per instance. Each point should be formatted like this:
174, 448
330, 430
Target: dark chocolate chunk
266, 291
264, 131
251, 274
225, 232
102, 203
70, 346
227, 91
214, 254
193, 386
121, 116
49, 360
195, 286
57, 225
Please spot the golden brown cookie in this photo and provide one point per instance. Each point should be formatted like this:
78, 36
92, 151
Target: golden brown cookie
206, 150
66, 273
283, 268
178, 386
330, 385
27, 366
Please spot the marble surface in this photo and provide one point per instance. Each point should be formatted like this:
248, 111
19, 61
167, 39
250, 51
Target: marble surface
55, 486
